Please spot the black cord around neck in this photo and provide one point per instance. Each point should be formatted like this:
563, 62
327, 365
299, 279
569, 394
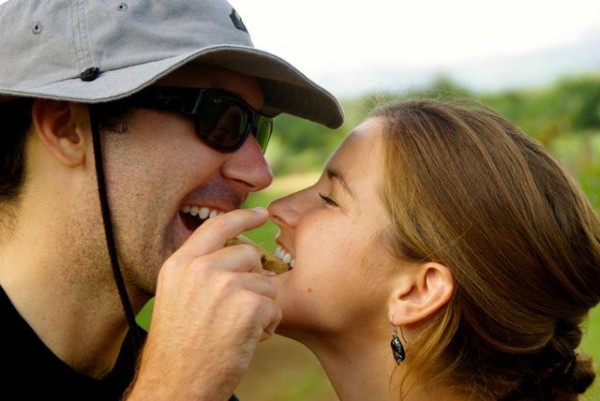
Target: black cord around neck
108, 232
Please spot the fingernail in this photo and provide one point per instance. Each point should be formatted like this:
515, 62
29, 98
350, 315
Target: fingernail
260, 210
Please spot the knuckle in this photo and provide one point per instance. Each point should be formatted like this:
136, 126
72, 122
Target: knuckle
170, 266
230, 283
251, 301
216, 223
250, 251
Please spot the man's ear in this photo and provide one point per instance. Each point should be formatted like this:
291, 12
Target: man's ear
425, 289
61, 127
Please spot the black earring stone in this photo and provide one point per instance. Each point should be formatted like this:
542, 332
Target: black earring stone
397, 349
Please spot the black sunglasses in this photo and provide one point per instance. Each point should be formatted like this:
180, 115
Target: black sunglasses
222, 120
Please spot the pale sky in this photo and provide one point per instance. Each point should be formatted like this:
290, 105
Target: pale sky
325, 35
329, 39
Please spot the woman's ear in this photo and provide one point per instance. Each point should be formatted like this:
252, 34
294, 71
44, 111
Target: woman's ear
61, 127
425, 289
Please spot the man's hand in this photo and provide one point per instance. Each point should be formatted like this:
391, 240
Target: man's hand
212, 307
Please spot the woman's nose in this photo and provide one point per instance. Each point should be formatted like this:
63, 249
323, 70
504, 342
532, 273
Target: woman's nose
288, 211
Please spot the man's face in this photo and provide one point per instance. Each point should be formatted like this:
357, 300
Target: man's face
159, 168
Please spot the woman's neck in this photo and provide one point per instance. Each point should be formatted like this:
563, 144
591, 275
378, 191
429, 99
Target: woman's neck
357, 369
361, 369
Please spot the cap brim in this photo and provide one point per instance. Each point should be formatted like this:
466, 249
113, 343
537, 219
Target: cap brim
286, 89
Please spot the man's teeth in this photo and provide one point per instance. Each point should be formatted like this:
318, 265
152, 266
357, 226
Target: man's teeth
285, 256
201, 212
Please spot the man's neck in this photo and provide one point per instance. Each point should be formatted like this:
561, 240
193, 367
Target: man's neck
78, 317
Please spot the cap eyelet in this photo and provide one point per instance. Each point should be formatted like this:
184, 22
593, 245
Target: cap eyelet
36, 28
122, 7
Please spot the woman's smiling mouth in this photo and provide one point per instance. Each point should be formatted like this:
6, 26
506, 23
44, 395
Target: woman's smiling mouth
285, 256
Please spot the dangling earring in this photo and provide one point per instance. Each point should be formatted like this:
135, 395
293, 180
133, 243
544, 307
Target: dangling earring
397, 347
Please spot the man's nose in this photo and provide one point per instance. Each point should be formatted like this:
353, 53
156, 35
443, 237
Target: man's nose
248, 168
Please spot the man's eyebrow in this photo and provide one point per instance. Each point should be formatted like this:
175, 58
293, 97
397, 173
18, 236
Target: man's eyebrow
337, 175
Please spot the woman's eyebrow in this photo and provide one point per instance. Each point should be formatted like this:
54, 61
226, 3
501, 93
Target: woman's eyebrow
337, 175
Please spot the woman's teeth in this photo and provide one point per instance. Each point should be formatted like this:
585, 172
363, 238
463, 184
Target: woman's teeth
285, 256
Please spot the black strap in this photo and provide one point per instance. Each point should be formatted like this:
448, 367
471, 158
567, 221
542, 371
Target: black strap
108, 232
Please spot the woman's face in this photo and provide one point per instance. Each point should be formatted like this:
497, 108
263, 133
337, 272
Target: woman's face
333, 231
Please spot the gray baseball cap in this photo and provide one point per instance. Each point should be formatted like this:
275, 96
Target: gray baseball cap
93, 51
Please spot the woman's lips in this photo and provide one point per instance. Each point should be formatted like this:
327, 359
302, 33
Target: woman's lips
270, 262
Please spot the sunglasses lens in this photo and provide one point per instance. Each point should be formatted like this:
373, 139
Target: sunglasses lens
264, 127
221, 123
224, 123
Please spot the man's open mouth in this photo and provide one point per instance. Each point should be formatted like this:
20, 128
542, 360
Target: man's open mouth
193, 216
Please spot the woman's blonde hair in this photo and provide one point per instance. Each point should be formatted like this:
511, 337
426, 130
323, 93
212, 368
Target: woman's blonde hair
466, 188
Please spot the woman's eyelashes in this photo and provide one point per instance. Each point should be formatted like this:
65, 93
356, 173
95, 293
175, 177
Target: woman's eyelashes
327, 200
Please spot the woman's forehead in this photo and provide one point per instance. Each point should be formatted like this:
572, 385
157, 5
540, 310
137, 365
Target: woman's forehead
361, 144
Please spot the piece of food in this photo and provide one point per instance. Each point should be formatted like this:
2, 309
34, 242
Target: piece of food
270, 262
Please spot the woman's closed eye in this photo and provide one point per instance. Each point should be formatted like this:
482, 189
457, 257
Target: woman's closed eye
327, 200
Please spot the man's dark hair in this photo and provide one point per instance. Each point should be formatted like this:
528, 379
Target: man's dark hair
16, 119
